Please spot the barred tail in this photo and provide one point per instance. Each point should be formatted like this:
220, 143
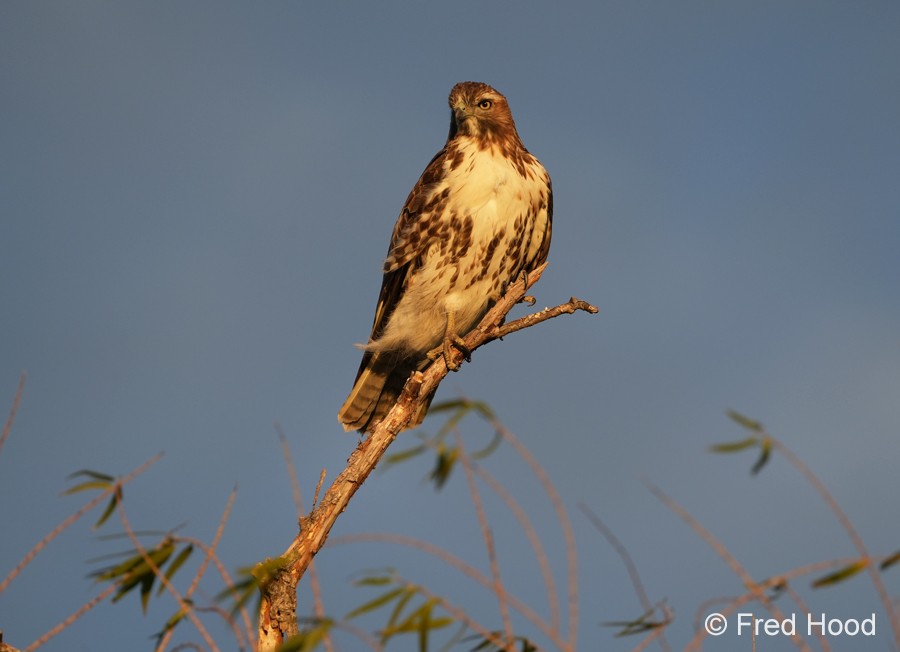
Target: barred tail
378, 385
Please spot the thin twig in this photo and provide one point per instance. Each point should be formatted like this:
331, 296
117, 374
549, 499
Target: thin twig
756, 590
461, 616
314, 584
239, 636
291, 469
488, 537
457, 563
844, 520
201, 571
83, 609
226, 578
565, 525
59, 529
7, 427
630, 566
536, 545
657, 632
276, 618
185, 608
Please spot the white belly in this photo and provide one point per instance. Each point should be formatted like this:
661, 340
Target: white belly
467, 271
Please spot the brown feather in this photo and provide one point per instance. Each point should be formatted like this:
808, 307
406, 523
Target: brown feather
479, 215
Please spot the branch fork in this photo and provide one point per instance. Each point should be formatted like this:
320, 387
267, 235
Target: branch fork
277, 619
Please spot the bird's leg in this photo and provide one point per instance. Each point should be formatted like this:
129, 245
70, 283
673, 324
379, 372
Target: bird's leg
527, 299
451, 339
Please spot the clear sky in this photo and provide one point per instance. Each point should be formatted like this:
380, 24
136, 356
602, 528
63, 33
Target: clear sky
195, 200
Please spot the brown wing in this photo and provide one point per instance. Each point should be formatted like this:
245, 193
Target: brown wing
406, 247
381, 376
544, 250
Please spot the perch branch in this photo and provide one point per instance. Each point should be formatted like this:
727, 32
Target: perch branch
277, 615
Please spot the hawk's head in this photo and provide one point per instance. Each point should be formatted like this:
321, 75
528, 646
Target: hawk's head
479, 111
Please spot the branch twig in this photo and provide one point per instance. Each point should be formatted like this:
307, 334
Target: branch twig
7, 427
277, 614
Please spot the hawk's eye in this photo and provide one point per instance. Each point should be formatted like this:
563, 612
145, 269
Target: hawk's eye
485, 104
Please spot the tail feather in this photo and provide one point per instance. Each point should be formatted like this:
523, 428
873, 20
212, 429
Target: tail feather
378, 385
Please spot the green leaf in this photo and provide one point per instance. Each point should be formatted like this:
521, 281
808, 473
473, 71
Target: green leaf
265, 571
744, 422
424, 627
639, 625
841, 574
381, 600
84, 486
175, 565
92, 474
146, 589
398, 608
889, 561
488, 646
460, 408
110, 508
735, 446
309, 639
464, 405
136, 571
764, 454
443, 465
418, 619
375, 580
170, 624
490, 448
296, 643
241, 592
402, 456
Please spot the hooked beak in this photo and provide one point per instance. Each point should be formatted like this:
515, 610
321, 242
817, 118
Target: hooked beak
461, 114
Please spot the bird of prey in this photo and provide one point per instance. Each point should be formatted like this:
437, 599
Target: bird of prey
479, 216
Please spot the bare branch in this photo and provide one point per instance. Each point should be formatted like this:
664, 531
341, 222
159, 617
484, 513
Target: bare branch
277, 614
871, 567
631, 567
7, 427
59, 529
755, 590
488, 537
83, 609
186, 608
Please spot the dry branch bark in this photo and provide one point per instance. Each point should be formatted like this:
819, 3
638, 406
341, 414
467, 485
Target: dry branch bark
278, 617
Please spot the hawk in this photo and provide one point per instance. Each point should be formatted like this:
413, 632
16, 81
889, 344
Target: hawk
478, 217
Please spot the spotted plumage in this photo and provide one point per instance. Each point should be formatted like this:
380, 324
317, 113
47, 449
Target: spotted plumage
479, 216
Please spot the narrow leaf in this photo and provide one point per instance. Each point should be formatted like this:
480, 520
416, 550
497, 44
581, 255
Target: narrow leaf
402, 456
382, 599
764, 454
146, 589
399, 607
84, 486
734, 446
92, 474
743, 421
889, 561
175, 565
110, 508
176, 618
841, 574
375, 580
443, 465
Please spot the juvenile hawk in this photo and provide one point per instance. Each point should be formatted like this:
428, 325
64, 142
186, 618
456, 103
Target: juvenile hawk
478, 217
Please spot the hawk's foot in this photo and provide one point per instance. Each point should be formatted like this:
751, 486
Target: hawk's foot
446, 349
451, 339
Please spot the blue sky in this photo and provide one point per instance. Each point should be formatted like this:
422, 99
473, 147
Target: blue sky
196, 198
